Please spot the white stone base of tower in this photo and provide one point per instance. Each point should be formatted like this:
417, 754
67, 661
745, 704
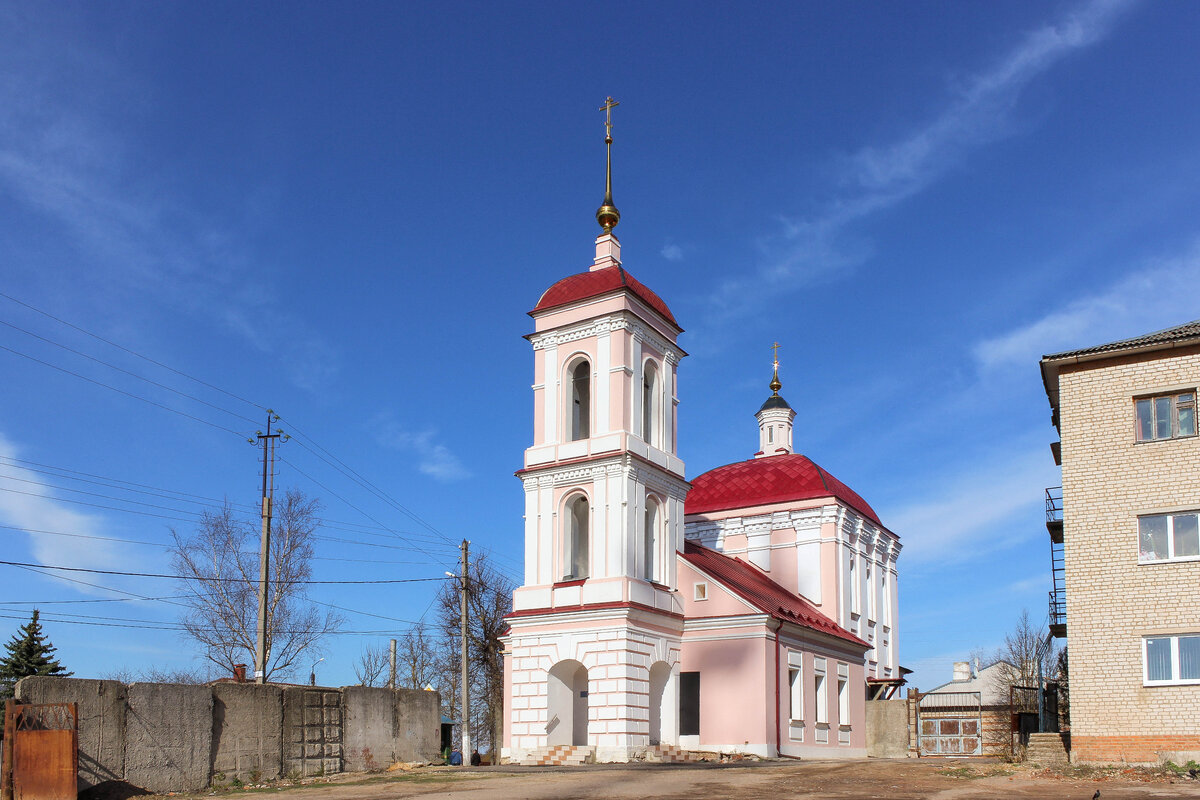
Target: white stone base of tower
605, 678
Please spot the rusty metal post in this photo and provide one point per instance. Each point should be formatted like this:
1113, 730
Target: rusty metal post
10, 735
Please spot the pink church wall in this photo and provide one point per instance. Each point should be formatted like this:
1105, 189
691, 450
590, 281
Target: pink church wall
733, 682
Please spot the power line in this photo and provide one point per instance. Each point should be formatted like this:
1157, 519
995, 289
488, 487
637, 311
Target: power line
175, 494
168, 626
344, 500
208, 579
131, 352
127, 372
345, 469
169, 545
107, 480
98, 494
122, 391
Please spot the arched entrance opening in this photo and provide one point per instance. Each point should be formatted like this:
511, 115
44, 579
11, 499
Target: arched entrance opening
660, 678
567, 700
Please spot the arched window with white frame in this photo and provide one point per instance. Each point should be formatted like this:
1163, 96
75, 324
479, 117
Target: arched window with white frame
651, 404
580, 410
650, 539
575, 539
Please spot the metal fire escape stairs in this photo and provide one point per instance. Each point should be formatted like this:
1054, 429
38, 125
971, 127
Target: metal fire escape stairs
1058, 595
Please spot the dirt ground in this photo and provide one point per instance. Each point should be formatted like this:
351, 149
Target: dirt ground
773, 780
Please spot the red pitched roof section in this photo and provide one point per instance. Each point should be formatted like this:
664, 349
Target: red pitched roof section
587, 285
752, 584
774, 479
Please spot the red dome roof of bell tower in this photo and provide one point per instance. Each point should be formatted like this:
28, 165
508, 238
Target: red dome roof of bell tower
597, 283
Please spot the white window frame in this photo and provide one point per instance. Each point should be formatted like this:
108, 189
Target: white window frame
795, 687
1170, 557
843, 673
820, 692
855, 590
1174, 398
1175, 665
700, 591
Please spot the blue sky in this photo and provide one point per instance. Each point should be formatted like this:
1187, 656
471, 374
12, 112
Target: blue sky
344, 211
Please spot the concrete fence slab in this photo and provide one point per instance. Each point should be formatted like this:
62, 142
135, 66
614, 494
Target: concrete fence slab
247, 726
168, 737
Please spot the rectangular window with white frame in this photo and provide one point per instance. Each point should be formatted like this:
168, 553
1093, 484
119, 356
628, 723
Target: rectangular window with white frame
796, 687
820, 692
1171, 660
1165, 416
1169, 537
843, 695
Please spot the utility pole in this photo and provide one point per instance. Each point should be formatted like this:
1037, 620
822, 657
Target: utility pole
466, 686
392, 660
264, 556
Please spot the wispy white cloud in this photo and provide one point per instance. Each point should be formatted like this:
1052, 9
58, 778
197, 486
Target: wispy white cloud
672, 252
879, 177
1151, 297
25, 504
984, 508
433, 458
64, 156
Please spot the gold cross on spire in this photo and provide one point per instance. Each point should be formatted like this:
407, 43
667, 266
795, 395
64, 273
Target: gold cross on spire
775, 385
607, 108
607, 215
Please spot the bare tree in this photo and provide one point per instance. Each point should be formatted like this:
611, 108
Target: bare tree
416, 658
1027, 652
371, 665
489, 600
219, 565
157, 674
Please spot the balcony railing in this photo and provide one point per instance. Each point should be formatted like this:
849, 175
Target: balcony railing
1054, 513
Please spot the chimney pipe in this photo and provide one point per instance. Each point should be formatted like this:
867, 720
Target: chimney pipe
239, 673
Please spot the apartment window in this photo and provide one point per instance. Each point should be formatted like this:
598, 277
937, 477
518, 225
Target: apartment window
1168, 537
1167, 416
1171, 659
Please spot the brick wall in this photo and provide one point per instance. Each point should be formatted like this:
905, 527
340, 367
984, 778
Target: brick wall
1112, 601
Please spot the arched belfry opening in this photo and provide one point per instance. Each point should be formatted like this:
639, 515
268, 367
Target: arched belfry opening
576, 538
567, 704
651, 405
580, 410
650, 541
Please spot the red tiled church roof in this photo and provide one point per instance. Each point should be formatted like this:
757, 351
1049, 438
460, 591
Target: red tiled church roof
587, 285
753, 585
773, 479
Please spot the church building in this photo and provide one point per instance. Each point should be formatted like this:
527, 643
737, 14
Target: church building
751, 610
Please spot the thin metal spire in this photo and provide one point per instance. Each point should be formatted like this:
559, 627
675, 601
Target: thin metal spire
607, 215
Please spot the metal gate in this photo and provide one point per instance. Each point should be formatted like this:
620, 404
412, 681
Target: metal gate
950, 724
41, 751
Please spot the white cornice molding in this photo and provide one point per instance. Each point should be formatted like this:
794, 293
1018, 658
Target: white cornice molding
608, 323
617, 465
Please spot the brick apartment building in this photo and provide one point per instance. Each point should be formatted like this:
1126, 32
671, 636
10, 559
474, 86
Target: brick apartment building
1126, 544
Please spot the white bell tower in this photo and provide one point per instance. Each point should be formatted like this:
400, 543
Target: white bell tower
593, 652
